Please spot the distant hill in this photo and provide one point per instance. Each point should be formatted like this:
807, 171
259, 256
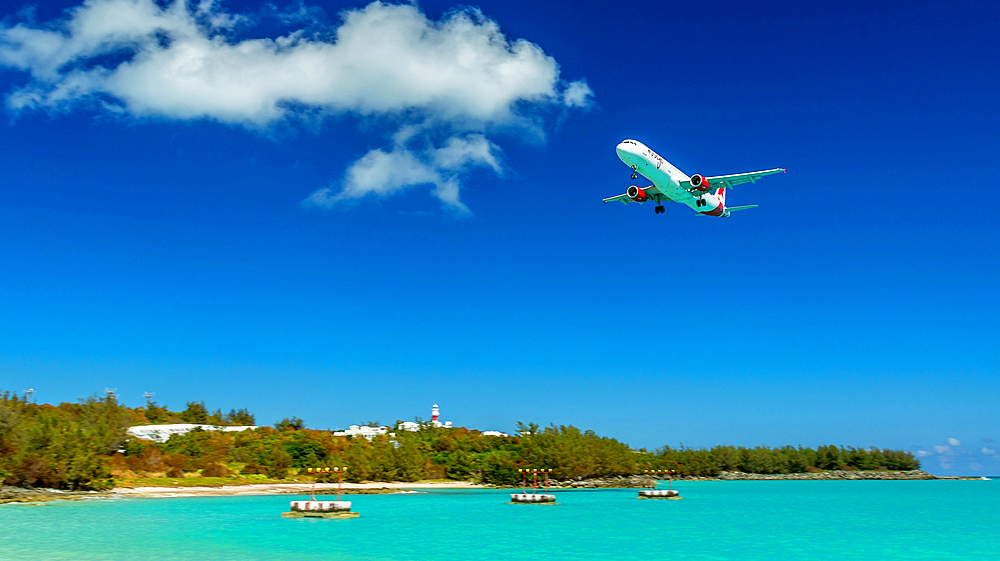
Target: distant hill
85, 445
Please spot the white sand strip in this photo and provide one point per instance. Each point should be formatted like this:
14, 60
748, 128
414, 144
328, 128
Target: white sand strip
275, 488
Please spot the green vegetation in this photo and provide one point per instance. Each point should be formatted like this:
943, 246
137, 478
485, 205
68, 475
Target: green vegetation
64, 447
84, 446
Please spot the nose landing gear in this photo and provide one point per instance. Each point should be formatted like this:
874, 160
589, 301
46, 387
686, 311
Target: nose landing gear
634, 174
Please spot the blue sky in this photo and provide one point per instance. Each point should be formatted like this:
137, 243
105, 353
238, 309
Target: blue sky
341, 226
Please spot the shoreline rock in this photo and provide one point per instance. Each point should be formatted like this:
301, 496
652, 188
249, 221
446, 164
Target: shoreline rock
36, 495
640, 481
832, 475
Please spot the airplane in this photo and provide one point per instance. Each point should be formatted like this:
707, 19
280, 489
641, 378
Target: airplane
671, 184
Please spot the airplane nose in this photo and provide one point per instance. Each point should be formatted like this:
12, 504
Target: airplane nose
625, 149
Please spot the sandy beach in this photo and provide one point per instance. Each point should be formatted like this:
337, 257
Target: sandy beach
283, 488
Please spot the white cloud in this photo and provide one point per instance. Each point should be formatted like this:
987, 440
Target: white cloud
578, 94
989, 451
954, 442
458, 153
382, 173
942, 449
448, 82
923, 453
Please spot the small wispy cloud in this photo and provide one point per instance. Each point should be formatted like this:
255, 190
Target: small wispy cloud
443, 87
954, 457
385, 173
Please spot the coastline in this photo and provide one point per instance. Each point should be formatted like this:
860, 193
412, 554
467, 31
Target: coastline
41, 496
832, 475
639, 481
635, 481
287, 489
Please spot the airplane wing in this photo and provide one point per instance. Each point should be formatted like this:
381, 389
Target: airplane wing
740, 178
625, 199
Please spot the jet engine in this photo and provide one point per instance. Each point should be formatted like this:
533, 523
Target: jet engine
636, 194
699, 183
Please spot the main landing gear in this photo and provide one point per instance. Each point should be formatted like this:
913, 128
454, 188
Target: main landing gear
658, 209
634, 174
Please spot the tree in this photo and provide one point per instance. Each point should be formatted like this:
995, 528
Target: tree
500, 468
277, 462
240, 417
154, 413
215, 418
195, 413
304, 452
293, 423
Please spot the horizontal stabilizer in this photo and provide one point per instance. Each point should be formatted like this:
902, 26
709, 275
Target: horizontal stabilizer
735, 208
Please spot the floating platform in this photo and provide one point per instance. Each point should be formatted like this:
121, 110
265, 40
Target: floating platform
532, 499
320, 509
660, 494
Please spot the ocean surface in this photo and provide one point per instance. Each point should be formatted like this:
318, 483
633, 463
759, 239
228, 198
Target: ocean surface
730, 520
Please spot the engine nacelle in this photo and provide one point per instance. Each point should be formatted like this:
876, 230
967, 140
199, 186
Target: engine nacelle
699, 183
636, 194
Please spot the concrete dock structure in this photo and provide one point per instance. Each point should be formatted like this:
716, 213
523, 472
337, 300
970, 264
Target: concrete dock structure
659, 494
653, 492
322, 509
534, 497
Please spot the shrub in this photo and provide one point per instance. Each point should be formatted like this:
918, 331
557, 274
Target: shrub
215, 470
253, 469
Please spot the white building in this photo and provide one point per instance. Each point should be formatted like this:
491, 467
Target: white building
410, 426
162, 433
365, 431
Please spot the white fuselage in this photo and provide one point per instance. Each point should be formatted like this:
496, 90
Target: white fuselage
665, 176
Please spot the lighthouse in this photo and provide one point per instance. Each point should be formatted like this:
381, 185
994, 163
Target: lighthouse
435, 413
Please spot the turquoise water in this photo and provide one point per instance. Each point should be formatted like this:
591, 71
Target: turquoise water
739, 520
